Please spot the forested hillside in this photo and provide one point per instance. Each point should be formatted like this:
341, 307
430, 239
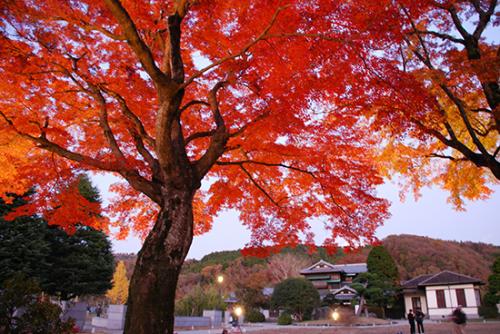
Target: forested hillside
414, 255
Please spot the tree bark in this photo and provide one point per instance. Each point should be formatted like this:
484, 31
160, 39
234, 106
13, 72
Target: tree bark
152, 288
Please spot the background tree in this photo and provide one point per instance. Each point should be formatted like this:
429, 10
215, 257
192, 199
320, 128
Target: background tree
24, 247
64, 265
297, 296
283, 266
375, 290
492, 297
198, 299
439, 78
380, 262
39, 316
118, 294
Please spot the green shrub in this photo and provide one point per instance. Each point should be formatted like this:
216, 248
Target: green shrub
285, 319
255, 316
42, 317
488, 311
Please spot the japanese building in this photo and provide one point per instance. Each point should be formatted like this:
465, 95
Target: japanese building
333, 280
437, 295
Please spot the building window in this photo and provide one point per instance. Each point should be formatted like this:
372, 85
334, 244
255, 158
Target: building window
461, 297
440, 299
415, 302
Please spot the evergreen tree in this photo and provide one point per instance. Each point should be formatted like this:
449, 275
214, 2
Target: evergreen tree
379, 286
119, 293
296, 296
380, 262
23, 244
375, 291
81, 263
492, 297
64, 265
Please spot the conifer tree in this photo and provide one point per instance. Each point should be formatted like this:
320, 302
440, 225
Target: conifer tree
380, 262
119, 293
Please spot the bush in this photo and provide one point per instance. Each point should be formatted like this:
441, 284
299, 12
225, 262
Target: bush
285, 319
488, 311
43, 317
255, 316
39, 317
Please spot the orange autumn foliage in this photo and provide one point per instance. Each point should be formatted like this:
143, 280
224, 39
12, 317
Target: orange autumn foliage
432, 93
70, 81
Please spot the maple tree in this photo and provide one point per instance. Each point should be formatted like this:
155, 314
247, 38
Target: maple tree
241, 98
433, 93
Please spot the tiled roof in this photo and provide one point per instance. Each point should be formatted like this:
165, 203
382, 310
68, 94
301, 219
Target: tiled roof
414, 282
443, 278
326, 267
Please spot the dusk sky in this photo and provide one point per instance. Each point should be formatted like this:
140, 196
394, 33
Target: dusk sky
429, 216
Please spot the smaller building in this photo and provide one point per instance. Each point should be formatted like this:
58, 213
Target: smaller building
334, 280
437, 295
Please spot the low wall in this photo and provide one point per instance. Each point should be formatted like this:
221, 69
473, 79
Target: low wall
192, 322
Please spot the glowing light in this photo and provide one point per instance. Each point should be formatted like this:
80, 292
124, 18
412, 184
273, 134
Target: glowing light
238, 311
220, 279
335, 315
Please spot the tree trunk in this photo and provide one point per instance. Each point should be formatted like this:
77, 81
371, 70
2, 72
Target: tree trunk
361, 305
152, 288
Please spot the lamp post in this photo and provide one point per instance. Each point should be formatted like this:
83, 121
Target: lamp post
220, 280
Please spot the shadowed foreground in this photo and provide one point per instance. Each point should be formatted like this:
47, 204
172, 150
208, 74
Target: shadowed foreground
443, 328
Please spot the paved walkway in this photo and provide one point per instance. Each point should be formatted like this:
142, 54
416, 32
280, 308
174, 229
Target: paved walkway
252, 328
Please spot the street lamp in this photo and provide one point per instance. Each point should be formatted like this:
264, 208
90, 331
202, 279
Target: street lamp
238, 311
220, 280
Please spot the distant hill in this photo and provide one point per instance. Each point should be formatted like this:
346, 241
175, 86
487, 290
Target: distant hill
414, 255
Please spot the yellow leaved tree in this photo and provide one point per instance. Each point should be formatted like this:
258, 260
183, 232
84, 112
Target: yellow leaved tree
119, 293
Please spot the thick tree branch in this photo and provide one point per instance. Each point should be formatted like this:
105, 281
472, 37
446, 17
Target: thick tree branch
198, 135
192, 103
138, 133
441, 35
484, 17
176, 64
132, 117
140, 48
218, 139
104, 123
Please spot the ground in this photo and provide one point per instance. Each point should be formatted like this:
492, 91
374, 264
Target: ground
442, 328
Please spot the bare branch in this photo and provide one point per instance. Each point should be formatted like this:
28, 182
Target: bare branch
441, 35
258, 186
268, 164
250, 44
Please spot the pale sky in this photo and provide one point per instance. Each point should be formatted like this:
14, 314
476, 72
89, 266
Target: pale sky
429, 216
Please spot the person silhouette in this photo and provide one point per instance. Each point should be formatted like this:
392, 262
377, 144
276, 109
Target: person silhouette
411, 320
419, 317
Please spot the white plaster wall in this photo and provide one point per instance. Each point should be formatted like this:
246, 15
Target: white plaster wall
450, 296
